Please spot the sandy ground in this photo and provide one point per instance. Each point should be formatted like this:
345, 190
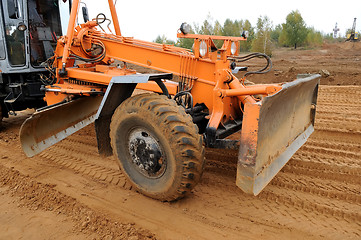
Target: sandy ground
341, 61
70, 192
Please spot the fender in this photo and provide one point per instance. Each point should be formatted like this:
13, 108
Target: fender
119, 89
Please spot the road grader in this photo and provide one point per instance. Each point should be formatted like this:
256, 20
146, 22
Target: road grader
194, 102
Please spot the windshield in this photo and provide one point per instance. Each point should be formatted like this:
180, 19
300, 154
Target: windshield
44, 29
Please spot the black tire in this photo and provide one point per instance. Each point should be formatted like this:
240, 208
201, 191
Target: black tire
158, 146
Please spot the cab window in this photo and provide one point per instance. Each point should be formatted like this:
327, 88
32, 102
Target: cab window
44, 29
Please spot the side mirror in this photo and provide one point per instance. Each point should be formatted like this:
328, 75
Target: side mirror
85, 14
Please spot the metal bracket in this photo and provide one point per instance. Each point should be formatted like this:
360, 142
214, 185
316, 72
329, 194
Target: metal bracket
239, 69
215, 138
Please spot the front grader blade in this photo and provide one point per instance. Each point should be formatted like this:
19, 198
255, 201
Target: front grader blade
45, 128
273, 130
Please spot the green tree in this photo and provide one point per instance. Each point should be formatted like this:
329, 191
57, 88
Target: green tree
218, 31
207, 26
314, 38
262, 41
231, 28
276, 33
330, 39
163, 40
294, 30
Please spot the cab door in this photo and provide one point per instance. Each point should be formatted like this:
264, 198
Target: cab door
15, 40
47, 19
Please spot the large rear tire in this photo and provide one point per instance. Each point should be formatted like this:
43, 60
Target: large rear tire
158, 146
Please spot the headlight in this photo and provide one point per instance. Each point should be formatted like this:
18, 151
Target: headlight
245, 34
21, 27
185, 28
233, 48
203, 48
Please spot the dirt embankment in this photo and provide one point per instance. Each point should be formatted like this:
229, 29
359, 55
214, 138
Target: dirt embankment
339, 64
70, 192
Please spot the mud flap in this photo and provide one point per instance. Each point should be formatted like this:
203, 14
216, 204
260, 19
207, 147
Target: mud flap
273, 130
45, 128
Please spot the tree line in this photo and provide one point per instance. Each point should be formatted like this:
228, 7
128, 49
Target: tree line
262, 38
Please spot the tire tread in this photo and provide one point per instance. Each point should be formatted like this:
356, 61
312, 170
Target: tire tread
186, 140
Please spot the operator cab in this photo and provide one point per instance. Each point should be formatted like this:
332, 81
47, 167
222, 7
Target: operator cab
28, 35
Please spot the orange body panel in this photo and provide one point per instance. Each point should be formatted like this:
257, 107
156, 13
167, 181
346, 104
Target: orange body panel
153, 87
251, 90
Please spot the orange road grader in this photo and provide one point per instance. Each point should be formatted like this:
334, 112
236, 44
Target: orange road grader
159, 138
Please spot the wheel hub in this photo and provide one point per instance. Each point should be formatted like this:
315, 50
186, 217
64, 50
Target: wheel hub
146, 153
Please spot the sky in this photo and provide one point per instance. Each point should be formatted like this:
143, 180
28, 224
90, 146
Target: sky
145, 20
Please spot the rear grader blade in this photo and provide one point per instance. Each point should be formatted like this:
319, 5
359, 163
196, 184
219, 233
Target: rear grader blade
47, 127
273, 130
